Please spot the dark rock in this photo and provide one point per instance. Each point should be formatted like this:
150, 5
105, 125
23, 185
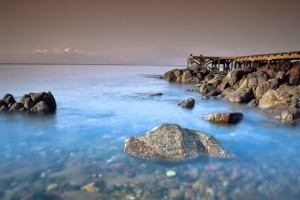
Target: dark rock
189, 103
49, 99
36, 97
25, 96
4, 107
28, 103
16, 107
156, 94
224, 117
294, 75
223, 85
40, 106
8, 99
234, 76
171, 142
170, 75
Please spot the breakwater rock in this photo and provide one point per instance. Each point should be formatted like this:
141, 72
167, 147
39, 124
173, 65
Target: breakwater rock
274, 87
33, 102
170, 142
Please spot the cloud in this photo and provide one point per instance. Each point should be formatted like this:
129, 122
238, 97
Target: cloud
45, 51
57, 51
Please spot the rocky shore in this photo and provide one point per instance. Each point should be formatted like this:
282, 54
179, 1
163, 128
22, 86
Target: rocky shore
274, 87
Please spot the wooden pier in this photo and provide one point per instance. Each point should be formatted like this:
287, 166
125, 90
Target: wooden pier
232, 62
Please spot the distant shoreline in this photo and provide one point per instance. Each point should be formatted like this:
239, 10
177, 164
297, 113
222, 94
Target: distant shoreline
89, 64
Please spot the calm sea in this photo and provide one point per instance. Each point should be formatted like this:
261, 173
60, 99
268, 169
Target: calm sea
53, 156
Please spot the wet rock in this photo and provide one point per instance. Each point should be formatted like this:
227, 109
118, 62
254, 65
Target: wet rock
189, 103
16, 107
40, 106
224, 117
34, 102
4, 107
36, 97
8, 99
170, 75
172, 142
1, 103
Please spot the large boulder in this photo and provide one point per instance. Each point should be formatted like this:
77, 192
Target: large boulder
224, 117
170, 75
270, 98
171, 142
189, 103
265, 86
241, 95
187, 77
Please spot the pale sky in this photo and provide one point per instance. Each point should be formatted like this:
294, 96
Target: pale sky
144, 32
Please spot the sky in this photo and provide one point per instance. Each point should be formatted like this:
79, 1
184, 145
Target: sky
144, 31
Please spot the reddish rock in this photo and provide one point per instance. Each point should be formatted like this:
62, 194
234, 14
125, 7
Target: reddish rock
224, 117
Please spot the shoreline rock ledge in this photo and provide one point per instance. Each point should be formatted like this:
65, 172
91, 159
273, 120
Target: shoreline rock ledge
170, 142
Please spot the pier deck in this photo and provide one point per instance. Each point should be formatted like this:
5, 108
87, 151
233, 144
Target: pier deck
231, 62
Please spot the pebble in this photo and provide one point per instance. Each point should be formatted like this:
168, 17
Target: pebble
91, 188
170, 173
43, 174
52, 187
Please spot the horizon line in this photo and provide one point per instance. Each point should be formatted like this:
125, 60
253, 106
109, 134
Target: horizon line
9, 63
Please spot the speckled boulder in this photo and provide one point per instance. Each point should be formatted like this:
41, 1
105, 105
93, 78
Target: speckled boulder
224, 117
171, 142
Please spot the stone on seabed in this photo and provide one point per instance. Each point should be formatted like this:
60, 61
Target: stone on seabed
173, 143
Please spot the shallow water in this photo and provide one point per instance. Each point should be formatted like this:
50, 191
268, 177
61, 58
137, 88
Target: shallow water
52, 156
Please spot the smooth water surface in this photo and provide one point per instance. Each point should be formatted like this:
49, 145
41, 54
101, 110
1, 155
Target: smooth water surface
53, 156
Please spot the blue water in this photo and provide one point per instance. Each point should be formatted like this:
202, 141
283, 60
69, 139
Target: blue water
100, 106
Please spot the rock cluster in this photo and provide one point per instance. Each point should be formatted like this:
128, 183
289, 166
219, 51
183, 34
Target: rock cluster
33, 102
172, 142
274, 87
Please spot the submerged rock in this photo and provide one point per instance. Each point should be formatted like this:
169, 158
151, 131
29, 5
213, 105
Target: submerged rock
224, 117
189, 103
156, 94
172, 142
